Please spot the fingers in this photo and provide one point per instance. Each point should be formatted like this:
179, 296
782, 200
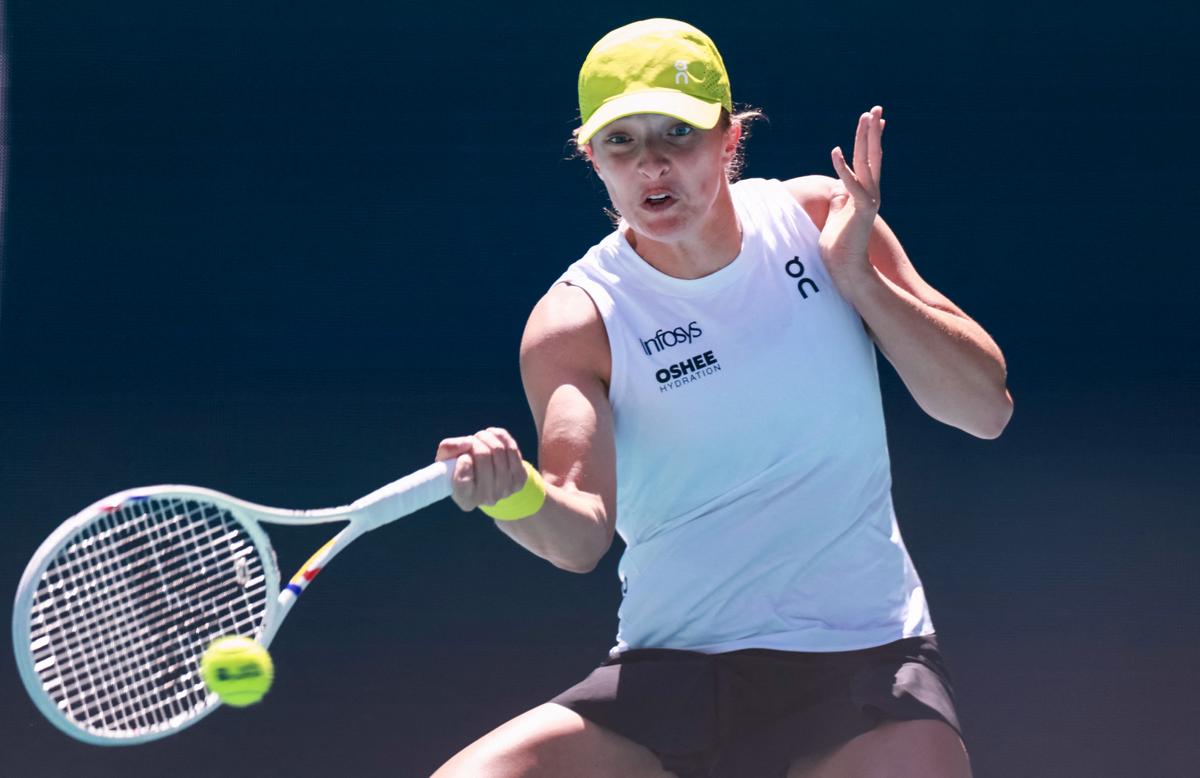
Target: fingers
463, 483
489, 467
875, 146
862, 163
849, 179
862, 182
516, 464
462, 480
452, 447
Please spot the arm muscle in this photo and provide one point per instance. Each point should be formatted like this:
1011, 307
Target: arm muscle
565, 367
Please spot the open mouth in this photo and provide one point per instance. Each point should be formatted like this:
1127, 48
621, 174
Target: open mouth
658, 201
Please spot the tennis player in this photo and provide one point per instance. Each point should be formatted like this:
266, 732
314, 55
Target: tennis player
704, 382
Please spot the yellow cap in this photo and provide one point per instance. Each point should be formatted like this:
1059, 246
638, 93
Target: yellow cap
653, 66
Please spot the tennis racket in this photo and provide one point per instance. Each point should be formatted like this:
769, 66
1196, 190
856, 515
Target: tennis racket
118, 604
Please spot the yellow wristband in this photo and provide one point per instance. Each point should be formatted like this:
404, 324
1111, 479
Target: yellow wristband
524, 503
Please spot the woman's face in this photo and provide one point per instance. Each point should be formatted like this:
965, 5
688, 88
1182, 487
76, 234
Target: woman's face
662, 175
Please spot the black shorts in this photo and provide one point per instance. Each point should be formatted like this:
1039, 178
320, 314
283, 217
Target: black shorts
749, 713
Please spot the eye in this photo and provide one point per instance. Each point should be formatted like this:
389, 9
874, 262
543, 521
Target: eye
616, 138
681, 130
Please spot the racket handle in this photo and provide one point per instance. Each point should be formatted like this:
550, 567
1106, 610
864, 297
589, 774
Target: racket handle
405, 495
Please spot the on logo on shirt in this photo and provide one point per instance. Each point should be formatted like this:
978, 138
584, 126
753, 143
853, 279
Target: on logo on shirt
795, 268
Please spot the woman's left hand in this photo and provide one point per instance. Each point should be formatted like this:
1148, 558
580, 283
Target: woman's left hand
854, 201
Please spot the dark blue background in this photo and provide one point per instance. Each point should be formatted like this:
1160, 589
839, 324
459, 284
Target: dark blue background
280, 250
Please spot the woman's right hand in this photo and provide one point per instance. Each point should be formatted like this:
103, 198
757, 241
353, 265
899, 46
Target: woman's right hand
489, 467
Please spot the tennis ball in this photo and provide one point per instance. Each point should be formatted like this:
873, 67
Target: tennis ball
238, 669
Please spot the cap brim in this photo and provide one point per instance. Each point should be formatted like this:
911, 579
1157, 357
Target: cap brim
668, 102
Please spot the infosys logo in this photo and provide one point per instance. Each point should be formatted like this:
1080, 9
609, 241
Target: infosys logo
664, 339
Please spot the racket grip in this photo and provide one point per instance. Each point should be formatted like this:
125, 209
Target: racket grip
405, 495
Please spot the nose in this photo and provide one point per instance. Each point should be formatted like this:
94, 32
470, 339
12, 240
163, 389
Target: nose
652, 162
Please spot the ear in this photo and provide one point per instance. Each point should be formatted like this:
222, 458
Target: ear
591, 157
733, 136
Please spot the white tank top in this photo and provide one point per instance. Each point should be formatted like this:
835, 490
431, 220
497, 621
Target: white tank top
753, 480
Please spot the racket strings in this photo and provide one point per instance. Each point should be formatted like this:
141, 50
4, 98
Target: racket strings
124, 611
134, 677
95, 645
91, 642
102, 595
111, 593
126, 676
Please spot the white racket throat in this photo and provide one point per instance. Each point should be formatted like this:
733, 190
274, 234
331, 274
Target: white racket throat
116, 607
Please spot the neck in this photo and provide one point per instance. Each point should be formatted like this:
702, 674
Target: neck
704, 251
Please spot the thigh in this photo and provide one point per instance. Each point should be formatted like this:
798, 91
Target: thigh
923, 748
551, 740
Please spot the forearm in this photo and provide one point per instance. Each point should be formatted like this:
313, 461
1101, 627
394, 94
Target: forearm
569, 531
952, 367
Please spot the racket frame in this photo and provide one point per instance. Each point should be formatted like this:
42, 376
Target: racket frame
380, 507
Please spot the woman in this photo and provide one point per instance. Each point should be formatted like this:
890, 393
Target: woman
704, 382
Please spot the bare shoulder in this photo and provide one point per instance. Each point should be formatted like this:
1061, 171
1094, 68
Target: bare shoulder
565, 334
813, 193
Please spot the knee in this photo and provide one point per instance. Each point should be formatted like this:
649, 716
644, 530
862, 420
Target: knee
500, 753
470, 763
519, 747
552, 741
484, 758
